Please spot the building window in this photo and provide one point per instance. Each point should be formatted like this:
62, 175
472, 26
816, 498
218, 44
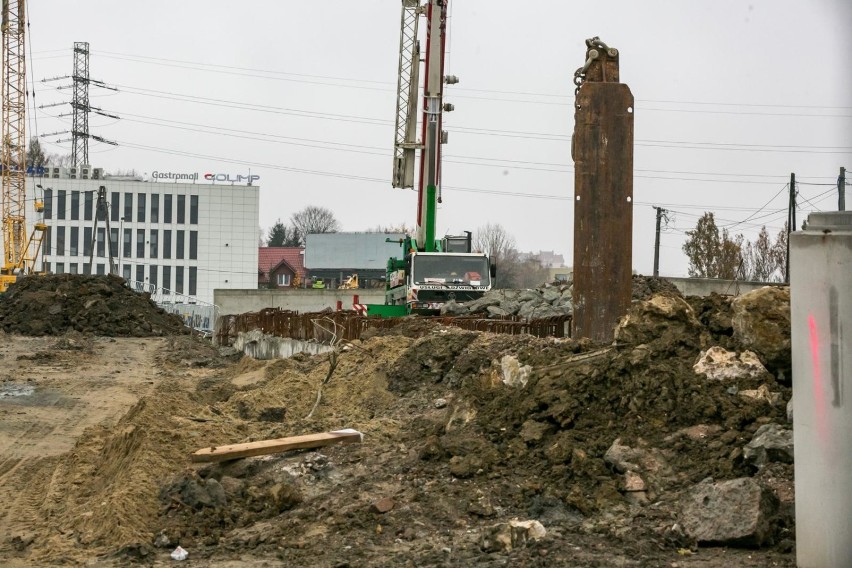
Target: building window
152, 277
193, 281
75, 207
181, 209
46, 244
74, 244
87, 242
60, 241
128, 245
179, 244
101, 241
283, 279
128, 207
101, 269
125, 273
155, 207
193, 209
60, 268
114, 207
140, 243
73, 268
48, 203
140, 274
87, 268
167, 279
60, 204
140, 208
88, 205
179, 279
193, 245
167, 208
154, 242
167, 244
113, 242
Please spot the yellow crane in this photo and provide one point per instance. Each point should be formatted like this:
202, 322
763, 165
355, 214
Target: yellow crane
19, 252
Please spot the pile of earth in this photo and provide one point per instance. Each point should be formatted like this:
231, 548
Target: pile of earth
608, 448
99, 305
549, 300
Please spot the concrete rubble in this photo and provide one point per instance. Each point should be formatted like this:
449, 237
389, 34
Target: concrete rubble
771, 443
735, 512
718, 364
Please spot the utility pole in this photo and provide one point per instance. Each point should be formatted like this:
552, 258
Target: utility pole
841, 190
661, 213
791, 224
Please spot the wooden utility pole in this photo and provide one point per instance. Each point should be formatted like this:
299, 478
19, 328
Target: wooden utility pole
660, 214
791, 224
841, 190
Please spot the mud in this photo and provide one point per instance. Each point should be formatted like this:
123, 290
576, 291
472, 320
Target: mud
453, 450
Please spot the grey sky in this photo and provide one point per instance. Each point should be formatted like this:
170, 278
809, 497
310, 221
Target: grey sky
311, 86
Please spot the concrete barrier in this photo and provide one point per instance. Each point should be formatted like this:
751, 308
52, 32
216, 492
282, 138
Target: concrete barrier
300, 300
705, 286
258, 345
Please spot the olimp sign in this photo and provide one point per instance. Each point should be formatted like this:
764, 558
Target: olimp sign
193, 177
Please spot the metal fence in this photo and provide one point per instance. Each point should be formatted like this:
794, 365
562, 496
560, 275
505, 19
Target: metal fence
328, 326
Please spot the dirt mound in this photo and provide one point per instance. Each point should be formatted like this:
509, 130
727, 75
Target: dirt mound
463, 432
98, 305
646, 286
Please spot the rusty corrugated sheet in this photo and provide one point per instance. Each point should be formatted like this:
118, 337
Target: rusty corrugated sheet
602, 149
348, 325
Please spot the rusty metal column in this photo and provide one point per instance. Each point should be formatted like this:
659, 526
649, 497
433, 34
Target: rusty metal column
602, 150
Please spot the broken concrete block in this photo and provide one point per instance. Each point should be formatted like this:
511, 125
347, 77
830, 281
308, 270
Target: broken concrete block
624, 458
513, 373
790, 411
761, 321
762, 393
737, 512
505, 537
719, 364
633, 482
771, 443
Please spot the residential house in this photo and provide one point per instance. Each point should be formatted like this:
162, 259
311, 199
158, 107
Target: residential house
281, 267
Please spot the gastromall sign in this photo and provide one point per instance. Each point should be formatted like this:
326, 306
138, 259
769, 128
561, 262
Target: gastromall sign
174, 176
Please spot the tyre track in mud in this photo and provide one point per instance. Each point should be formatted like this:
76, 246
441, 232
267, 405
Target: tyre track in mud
70, 390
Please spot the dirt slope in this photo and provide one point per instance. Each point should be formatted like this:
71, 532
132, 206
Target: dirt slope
455, 445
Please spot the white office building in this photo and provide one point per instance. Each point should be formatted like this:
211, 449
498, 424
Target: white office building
179, 241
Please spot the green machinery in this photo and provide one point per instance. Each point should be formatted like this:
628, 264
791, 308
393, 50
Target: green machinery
430, 271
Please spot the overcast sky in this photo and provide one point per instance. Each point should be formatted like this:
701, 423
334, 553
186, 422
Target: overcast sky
731, 97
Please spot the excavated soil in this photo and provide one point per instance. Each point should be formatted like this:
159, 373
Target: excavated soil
463, 431
99, 305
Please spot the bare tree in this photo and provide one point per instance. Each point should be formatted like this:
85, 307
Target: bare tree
313, 219
760, 262
495, 241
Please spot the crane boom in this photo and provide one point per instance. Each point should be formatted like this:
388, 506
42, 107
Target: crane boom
405, 142
13, 160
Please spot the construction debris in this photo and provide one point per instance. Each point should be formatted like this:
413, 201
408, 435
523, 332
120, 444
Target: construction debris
610, 447
265, 447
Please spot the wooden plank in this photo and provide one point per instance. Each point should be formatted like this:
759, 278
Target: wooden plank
264, 447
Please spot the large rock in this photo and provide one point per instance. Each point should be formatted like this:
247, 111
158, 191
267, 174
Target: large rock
664, 317
453, 308
771, 443
551, 294
738, 512
530, 296
761, 321
719, 364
